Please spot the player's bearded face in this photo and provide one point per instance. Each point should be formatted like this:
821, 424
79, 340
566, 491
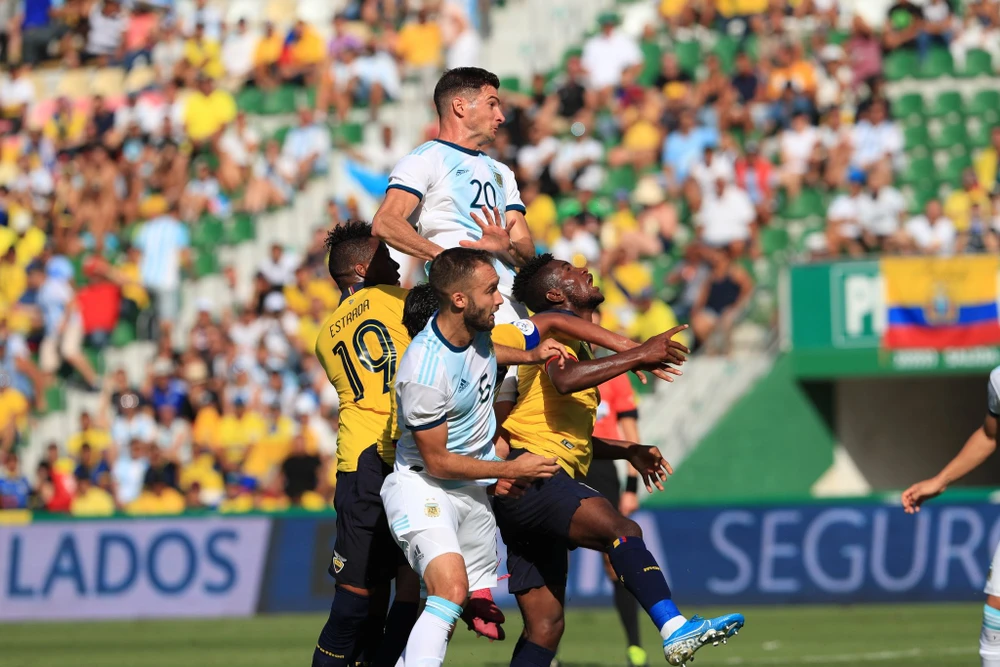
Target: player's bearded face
483, 300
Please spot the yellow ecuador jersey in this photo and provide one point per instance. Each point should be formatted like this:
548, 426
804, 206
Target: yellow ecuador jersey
552, 424
359, 347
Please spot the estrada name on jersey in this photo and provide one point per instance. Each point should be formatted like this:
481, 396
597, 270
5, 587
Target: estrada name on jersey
451, 182
359, 347
439, 383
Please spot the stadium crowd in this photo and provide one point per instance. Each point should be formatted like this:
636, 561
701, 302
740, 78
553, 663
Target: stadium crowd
729, 134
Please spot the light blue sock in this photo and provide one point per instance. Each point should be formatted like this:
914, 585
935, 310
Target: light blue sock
429, 638
989, 638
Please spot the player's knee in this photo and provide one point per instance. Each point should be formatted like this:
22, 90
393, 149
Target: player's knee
993, 601
454, 589
625, 527
546, 630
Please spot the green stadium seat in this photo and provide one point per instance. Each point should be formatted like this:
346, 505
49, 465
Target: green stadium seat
950, 137
951, 175
773, 240
946, 105
985, 105
920, 198
279, 101
351, 134
914, 137
55, 399
619, 178
250, 100
510, 83
208, 233
977, 63
936, 64
900, 65
309, 96
567, 208
918, 170
96, 359
651, 54
600, 207
688, 55
281, 133
206, 264
123, 334
910, 104
809, 203
726, 48
751, 47
980, 136
242, 229
838, 36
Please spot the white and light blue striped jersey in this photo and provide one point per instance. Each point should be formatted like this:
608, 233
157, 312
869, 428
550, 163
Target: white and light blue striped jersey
161, 240
993, 392
452, 181
439, 383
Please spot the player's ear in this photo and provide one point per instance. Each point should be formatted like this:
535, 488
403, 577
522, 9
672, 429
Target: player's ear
361, 270
555, 295
458, 105
458, 300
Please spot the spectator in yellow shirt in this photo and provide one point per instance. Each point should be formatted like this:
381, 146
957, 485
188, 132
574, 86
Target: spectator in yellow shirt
98, 438
958, 205
67, 125
266, 56
203, 56
157, 497
307, 288
310, 323
303, 52
988, 162
419, 43
207, 111
238, 499
89, 500
13, 280
540, 211
237, 431
268, 452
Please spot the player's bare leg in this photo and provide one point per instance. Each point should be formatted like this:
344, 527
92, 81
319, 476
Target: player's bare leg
598, 525
542, 609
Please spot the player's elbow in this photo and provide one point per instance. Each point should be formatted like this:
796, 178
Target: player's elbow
381, 227
563, 383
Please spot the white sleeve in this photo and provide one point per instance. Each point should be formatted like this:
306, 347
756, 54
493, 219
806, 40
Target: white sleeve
839, 209
421, 406
993, 399
412, 174
513, 193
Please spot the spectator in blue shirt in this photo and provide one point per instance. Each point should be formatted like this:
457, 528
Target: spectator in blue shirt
167, 389
14, 486
40, 26
88, 467
683, 147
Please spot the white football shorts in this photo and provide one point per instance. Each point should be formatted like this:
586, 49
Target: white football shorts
428, 520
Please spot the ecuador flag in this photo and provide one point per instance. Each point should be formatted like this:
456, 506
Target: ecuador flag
941, 302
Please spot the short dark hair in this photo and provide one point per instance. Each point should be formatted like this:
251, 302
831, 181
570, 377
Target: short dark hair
533, 282
455, 266
458, 80
348, 244
421, 303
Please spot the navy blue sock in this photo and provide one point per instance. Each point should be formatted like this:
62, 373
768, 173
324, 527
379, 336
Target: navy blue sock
637, 570
337, 644
521, 641
532, 655
399, 622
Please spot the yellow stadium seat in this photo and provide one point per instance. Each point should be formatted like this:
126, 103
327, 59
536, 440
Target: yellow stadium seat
109, 82
282, 12
42, 91
74, 83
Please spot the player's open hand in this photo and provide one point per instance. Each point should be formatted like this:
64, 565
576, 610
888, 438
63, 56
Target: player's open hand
533, 466
662, 350
496, 232
915, 496
550, 349
651, 466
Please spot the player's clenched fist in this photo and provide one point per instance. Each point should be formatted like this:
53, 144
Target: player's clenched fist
915, 496
533, 466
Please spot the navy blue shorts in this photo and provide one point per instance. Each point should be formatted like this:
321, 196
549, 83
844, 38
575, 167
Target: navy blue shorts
535, 528
365, 553
602, 476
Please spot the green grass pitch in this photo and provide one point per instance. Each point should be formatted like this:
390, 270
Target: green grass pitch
880, 636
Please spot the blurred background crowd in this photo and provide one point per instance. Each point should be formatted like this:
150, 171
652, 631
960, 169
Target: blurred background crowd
685, 158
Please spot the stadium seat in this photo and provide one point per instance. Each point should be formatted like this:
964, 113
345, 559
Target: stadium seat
139, 78
910, 104
600, 207
208, 233
109, 82
619, 178
55, 399
351, 134
123, 334
900, 65
920, 198
688, 55
936, 64
651, 54
279, 101
773, 240
510, 83
250, 100
979, 136
809, 203
726, 48
914, 137
567, 208
951, 174
206, 264
951, 136
242, 229
281, 133
918, 169
977, 63
946, 105
985, 105
74, 83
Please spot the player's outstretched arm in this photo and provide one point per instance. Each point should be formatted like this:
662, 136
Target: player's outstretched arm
977, 449
579, 375
433, 446
647, 461
547, 349
585, 330
391, 224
